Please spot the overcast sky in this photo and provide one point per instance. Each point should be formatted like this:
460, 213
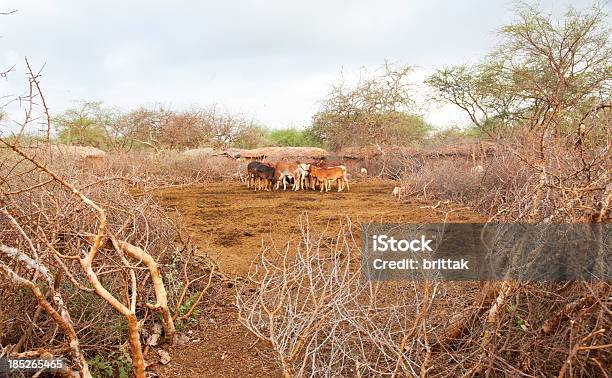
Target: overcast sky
273, 60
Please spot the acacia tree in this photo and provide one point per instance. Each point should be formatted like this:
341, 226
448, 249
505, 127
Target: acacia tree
85, 124
374, 111
546, 93
549, 92
544, 74
481, 91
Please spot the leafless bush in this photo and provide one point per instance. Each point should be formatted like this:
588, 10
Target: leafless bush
310, 303
397, 166
553, 166
86, 264
205, 168
534, 177
447, 179
59, 227
172, 168
516, 185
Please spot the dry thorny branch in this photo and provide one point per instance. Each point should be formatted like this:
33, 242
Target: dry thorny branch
65, 237
310, 303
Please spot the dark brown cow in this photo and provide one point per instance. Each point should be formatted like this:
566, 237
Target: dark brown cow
259, 171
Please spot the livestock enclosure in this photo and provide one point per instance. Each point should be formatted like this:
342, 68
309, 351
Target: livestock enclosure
209, 232
220, 206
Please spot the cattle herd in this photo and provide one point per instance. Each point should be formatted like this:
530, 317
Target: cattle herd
267, 176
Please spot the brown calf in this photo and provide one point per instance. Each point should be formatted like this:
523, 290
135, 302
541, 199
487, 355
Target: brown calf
324, 176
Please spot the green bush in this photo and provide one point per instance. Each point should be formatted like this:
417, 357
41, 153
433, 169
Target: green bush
453, 135
291, 138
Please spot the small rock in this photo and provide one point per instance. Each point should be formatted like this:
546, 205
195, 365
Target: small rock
164, 357
153, 339
183, 339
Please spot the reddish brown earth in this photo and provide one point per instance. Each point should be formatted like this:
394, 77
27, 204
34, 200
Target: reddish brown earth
229, 222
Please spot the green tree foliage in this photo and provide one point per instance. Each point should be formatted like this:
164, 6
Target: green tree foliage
374, 111
85, 124
291, 137
481, 91
258, 136
253, 136
544, 73
454, 135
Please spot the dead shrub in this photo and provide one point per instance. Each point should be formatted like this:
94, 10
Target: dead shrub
57, 230
447, 179
309, 302
88, 267
172, 168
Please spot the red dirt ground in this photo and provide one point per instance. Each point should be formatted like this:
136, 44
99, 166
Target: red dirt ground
229, 223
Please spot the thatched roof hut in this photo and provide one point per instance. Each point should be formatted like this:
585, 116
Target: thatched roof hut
81, 156
64, 150
463, 149
277, 153
287, 152
234, 153
77, 151
197, 152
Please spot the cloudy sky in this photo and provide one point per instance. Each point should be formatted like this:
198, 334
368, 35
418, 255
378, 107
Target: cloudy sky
273, 59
